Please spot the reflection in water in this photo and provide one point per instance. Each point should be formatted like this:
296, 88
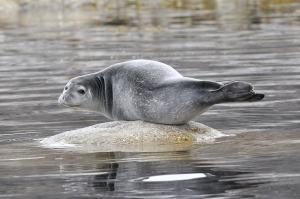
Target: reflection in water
175, 177
129, 177
45, 43
104, 182
230, 15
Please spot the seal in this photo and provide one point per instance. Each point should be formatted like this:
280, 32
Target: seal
150, 91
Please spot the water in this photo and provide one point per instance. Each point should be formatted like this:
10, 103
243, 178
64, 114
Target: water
43, 46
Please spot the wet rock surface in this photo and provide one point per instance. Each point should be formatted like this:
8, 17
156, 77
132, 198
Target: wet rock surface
111, 135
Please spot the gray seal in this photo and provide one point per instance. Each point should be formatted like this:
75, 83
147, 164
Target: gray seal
150, 91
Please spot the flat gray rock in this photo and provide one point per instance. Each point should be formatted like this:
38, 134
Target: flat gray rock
132, 135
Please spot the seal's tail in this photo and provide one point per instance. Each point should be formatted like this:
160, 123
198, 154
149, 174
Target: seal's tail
239, 92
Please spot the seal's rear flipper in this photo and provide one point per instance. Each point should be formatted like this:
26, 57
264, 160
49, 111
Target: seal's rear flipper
238, 92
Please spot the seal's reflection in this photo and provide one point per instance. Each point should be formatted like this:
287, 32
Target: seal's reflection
128, 177
104, 182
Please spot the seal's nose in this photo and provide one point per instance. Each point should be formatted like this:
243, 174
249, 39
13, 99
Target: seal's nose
61, 98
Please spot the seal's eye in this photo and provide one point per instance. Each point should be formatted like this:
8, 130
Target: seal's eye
81, 92
66, 88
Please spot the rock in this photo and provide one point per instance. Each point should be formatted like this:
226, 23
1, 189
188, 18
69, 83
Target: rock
132, 135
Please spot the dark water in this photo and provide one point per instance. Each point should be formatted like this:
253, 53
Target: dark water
42, 47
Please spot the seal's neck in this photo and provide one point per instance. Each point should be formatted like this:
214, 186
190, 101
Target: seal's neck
103, 95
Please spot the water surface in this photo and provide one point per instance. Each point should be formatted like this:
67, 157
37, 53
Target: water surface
43, 46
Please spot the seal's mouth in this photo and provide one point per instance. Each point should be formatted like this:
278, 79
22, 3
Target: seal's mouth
68, 105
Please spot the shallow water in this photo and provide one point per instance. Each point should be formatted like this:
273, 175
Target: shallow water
42, 47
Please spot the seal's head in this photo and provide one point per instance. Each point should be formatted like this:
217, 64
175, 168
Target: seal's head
78, 93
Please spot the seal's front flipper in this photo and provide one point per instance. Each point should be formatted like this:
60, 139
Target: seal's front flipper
238, 92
